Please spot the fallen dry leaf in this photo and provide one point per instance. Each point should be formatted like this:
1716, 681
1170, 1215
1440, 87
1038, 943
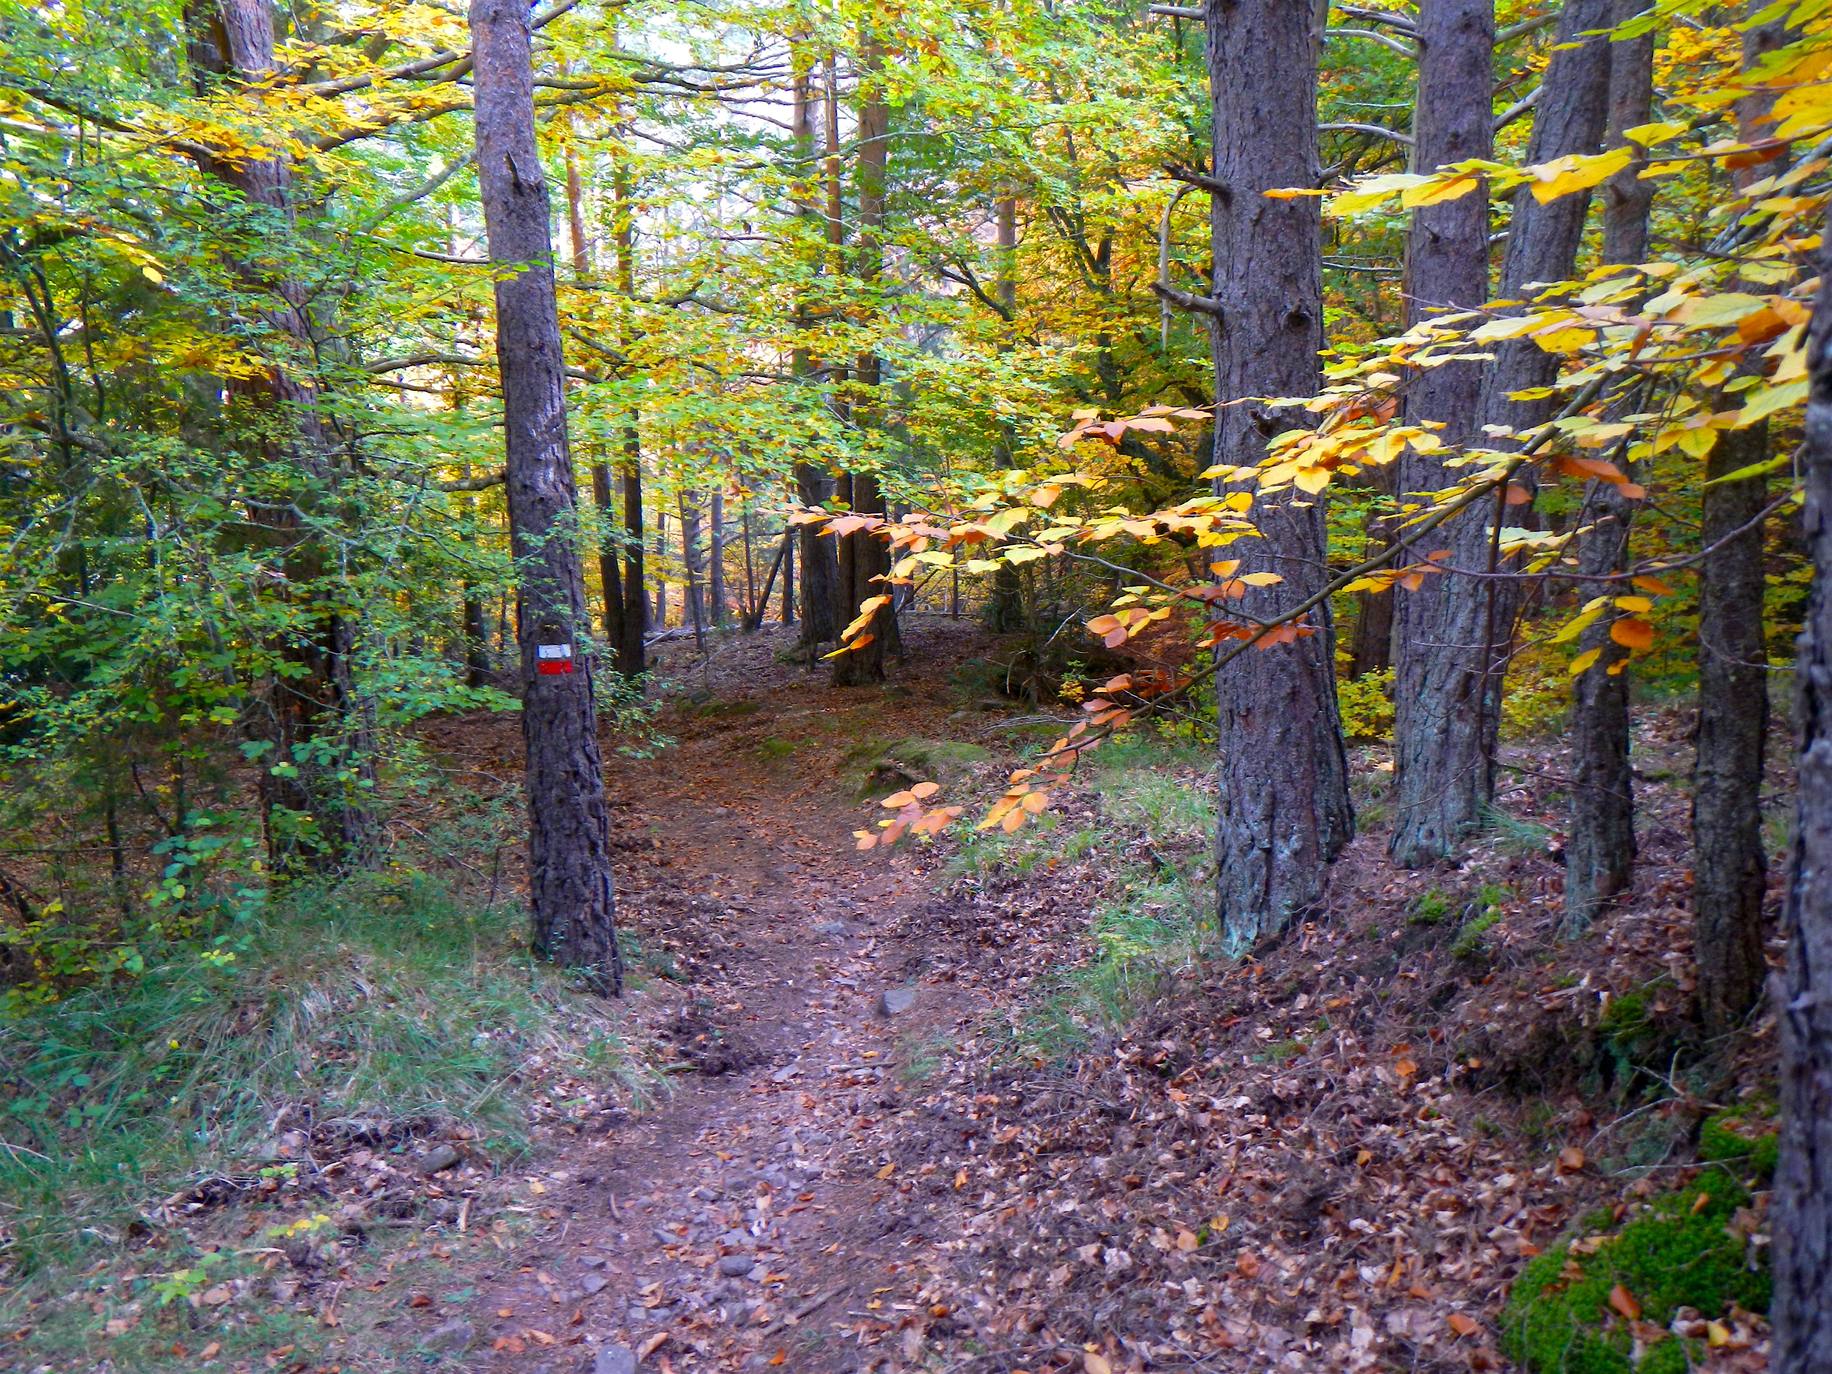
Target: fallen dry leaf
1624, 1303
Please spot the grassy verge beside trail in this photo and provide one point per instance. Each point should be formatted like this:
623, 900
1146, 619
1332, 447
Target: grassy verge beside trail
1149, 840
377, 1014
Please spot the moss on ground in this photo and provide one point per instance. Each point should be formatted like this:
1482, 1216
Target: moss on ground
1744, 1139
891, 765
1682, 1251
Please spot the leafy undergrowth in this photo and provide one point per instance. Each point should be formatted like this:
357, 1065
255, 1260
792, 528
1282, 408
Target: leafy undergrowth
230, 1139
1115, 879
1340, 1154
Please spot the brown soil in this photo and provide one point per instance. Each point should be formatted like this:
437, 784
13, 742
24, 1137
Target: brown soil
790, 1075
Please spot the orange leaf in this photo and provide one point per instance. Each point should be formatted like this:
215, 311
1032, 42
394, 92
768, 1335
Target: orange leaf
1624, 1303
1570, 1159
1632, 633
1463, 1325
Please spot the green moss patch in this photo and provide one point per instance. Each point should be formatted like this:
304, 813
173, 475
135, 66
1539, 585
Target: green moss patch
1685, 1250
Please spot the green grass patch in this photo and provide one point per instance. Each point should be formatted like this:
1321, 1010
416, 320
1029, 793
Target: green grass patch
382, 998
1154, 836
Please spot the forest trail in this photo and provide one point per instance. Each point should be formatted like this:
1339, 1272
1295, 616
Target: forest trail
735, 1222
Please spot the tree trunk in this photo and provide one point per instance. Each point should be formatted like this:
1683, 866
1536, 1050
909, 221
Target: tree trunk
1600, 845
661, 568
569, 862
632, 655
1730, 871
610, 577
1454, 641
693, 606
315, 703
715, 558
1436, 753
1283, 779
1005, 607
1801, 1210
820, 567
865, 558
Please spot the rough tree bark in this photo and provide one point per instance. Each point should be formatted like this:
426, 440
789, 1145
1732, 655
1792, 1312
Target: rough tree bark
1600, 846
610, 575
1730, 871
569, 861
715, 557
1005, 607
820, 565
315, 703
1446, 777
864, 558
631, 655
1436, 761
1802, 1205
1283, 779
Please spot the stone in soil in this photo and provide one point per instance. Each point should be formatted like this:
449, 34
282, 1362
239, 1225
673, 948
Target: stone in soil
439, 1158
454, 1335
615, 1359
896, 1001
735, 1266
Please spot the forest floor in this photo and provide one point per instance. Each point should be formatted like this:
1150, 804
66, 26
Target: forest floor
982, 1107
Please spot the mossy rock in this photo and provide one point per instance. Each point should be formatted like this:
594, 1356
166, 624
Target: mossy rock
1679, 1252
901, 763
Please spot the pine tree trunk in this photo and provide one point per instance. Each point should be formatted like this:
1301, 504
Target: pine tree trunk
715, 558
820, 569
693, 604
864, 558
1600, 846
1730, 871
569, 877
1454, 645
610, 576
1435, 748
631, 653
1005, 607
1801, 1209
661, 568
1283, 778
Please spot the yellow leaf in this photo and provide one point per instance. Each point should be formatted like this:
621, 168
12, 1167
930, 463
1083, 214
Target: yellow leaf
1577, 172
1584, 662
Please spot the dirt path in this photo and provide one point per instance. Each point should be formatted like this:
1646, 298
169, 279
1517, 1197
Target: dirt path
738, 1223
